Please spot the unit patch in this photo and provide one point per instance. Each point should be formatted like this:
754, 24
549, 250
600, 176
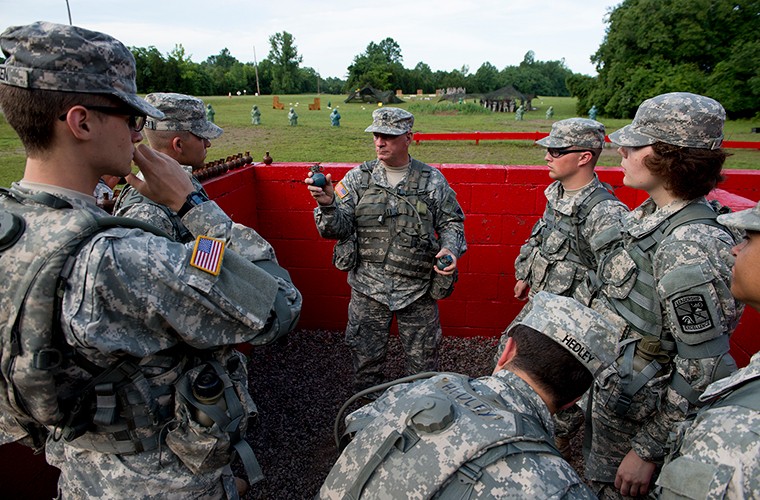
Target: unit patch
692, 313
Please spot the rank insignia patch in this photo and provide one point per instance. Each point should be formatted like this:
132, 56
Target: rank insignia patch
207, 254
692, 313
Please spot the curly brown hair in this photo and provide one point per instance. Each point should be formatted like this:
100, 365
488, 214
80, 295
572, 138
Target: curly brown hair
688, 173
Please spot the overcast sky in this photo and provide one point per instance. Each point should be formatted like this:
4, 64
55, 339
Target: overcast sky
445, 34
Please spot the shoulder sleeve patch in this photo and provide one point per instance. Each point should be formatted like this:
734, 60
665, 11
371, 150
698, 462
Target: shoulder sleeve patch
341, 190
692, 313
207, 254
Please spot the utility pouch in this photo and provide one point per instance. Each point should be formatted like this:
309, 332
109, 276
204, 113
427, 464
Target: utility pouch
442, 286
345, 252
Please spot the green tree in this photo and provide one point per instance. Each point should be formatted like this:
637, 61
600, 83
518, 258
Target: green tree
655, 46
285, 61
485, 79
379, 65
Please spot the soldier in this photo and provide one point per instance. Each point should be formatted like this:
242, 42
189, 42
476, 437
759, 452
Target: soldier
667, 276
394, 216
210, 113
567, 241
451, 436
118, 334
255, 115
563, 244
550, 113
717, 455
185, 134
293, 117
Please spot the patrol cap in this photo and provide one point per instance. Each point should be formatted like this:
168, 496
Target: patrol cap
678, 118
588, 335
579, 132
181, 113
64, 58
749, 219
391, 121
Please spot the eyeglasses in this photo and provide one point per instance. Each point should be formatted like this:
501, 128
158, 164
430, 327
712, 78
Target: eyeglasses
556, 153
136, 122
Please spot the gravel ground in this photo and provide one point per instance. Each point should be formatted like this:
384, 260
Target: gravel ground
299, 385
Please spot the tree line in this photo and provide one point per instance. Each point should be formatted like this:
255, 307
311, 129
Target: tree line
380, 65
709, 47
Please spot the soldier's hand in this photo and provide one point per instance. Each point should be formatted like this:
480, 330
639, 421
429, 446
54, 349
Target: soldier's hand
164, 181
634, 475
521, 290
448, 270
323, 195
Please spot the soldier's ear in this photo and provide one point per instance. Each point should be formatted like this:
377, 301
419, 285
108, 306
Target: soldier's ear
509, 352
177, 144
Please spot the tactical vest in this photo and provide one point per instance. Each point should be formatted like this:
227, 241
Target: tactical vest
399, 235
642, 312
35, 358
409, 432
580, 251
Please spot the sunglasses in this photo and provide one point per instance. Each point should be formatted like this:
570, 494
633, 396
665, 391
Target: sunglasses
556, 152
136, 122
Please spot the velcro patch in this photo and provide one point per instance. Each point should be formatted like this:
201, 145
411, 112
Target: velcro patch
692, 313
207, 254
341, 190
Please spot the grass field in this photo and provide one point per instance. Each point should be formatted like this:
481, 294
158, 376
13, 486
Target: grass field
314, 140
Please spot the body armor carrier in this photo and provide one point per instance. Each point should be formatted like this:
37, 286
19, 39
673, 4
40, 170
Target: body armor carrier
395, 225
37, 365
408, 432
642, 311
569, 225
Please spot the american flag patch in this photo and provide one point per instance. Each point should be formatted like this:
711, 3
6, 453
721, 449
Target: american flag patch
341, 190
207, 254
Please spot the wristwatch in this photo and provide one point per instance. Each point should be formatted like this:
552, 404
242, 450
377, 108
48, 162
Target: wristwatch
193, 199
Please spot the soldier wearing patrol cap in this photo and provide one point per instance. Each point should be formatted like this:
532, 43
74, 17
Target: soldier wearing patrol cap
401, 232
184, 133
110, 322
564, 243
450, 436
717, 454
668, 277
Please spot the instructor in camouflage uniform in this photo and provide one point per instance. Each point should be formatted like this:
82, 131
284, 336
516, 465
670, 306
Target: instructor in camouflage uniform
668, 280
396, 216
451, 436
717, 455
568, 240
106, 340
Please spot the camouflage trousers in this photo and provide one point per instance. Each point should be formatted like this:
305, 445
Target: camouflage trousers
369, 323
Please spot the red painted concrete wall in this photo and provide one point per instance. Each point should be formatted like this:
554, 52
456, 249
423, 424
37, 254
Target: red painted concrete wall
501, 204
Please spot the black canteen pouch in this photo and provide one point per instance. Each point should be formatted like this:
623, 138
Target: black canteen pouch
345, 252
